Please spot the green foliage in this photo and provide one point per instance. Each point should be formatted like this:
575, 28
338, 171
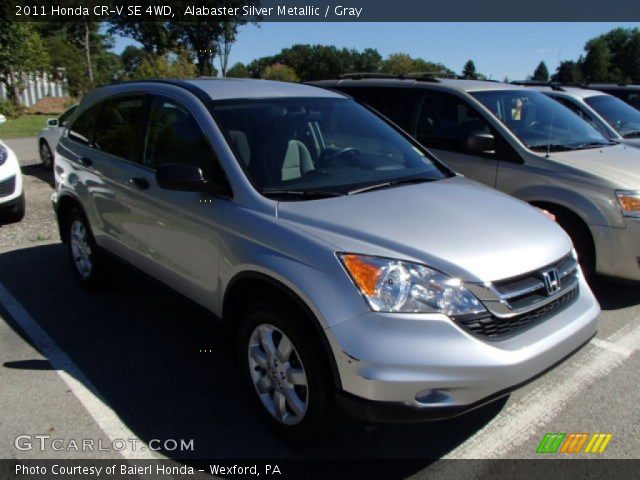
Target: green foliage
177, 65
238, 70
611, 57
131, 58
8, 109
402, 64
81, 52
21, 52
469, 70
317, 62
597, 63
280, 72
541, 73
568, 72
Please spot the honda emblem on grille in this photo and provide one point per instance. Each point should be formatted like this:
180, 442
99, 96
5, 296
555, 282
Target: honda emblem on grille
551, 281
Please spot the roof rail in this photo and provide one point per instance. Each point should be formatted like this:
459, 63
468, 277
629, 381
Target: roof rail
542, 83
362, 75
432, 75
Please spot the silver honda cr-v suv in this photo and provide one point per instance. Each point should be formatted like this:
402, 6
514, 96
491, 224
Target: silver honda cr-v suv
357, 271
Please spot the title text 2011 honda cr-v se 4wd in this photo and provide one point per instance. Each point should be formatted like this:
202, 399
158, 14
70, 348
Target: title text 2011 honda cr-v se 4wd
359, 272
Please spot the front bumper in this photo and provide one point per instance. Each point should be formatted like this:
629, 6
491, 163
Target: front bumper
410, 367
10, 176
618, 250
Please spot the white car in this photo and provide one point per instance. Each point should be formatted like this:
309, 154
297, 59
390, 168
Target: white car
11, 192
49, 137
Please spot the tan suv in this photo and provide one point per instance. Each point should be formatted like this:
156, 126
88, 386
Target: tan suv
524, 143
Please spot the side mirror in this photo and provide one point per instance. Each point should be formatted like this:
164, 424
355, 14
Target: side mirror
52, 122
480, 142
3, 119
187, 178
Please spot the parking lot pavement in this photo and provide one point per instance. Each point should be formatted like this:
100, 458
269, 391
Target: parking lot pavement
130, 362
38, 224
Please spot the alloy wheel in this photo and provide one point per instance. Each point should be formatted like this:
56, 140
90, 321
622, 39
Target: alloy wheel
278, 374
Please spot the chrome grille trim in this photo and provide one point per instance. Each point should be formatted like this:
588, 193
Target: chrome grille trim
518, 295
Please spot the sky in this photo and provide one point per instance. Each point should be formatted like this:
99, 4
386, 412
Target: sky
499, 50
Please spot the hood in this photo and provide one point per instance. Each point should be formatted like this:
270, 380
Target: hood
620, 164
631, 142
456, 226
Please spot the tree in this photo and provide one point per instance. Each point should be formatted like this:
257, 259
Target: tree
568, 71
318, 62
156, 38
227, 38
280, 72
541, 73
131, 58
403, 64
82, 51
21, 52
597, 63
176, 65
469, 70
238, 70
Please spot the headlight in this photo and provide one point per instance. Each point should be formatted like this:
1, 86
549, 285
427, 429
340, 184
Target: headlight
391, 285
3, 154
629, 202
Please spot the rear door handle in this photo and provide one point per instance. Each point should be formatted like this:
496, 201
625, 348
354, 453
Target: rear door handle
139, 182
87, 162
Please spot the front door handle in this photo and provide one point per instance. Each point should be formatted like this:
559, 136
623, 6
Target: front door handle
86, 162
139, 182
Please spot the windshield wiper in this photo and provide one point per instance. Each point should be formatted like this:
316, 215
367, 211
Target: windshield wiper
391, 183
554, 147
301, 194
635, 133
584, 146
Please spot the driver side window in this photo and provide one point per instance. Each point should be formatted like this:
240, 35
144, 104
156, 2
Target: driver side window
444, 121
174, 136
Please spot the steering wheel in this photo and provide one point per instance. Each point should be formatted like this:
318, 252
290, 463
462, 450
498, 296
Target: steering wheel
340, 153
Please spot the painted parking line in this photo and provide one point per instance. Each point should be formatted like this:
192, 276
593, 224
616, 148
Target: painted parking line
78, 383
519, 420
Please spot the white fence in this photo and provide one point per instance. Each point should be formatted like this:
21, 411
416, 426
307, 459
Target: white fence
37, 87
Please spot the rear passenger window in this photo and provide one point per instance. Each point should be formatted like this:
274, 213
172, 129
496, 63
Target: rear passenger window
444, 121
397, 104
117, 127
83, 127
174, 136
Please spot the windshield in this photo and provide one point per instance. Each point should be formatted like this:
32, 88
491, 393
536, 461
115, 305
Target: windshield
540, 122
329, 146
620, 115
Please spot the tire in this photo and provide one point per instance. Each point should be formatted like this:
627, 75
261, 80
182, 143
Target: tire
16, 214
86, 263
582, 241
300, 385
46, 156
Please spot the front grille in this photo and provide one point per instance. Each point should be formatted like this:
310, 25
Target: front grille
496, 328
7, 187
518, 303
527, 290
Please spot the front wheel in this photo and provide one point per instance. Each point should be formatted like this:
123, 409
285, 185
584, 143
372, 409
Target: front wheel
85, 260
285, 376
46, 156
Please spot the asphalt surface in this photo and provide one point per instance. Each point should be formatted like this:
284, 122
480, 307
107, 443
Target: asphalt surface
130, 361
